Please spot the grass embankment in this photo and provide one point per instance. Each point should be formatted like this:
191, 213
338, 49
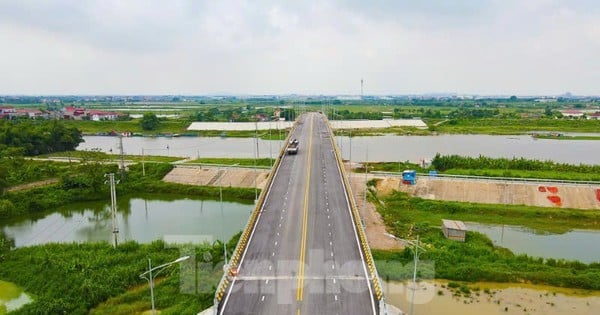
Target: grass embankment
399, 131
495, 167
478, 259
101, 156
75, 278
233, 161
507, 126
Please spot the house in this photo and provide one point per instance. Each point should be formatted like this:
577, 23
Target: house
74, 113
7, 112
31, 113
572, 113
454, 230
98, 115
595, 116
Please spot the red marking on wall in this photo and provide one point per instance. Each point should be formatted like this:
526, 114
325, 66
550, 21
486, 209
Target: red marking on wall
598, 194
552, 189
542, 189
555, 200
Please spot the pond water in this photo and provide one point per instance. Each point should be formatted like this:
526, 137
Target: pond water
388, 148
432, 298
581, 245
11, 297
144, 219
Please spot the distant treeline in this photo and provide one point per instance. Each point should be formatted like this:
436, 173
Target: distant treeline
446, 162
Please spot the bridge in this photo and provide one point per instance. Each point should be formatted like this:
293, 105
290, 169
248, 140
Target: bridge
304, 250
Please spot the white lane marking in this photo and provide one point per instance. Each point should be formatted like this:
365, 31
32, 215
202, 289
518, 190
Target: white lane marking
263, 298
335, 297
267, 281
270, 267
332, 266
331, 254
250, 238
328, 216
333, 280
273, 254
275, 243
362, 258
329, 224
330, 243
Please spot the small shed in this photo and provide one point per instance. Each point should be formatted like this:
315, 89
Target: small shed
454, 230
409, 177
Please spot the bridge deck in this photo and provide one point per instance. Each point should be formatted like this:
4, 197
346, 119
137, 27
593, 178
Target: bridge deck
303, 255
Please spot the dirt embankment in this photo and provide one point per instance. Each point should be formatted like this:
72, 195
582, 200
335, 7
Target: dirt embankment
498, 192
214, 176
374, 225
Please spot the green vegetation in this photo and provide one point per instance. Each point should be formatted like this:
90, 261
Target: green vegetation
32, 137
101, 156
166, 126
478, 259
512, 126
75, 278
86, 182
149, 121
265, 162
515, 167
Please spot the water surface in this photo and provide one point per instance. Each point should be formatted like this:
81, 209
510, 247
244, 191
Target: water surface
581, 245
143, 219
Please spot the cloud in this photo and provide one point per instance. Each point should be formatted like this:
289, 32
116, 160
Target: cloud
262, 46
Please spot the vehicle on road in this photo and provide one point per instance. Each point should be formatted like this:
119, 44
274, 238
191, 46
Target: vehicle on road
292, 147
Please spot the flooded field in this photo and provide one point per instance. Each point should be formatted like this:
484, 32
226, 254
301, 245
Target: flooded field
434, 297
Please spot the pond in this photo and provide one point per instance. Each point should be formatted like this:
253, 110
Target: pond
388, 148
581, 245
432, 297
144, 218
11, 297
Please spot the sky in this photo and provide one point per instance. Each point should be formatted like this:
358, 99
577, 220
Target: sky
196, 47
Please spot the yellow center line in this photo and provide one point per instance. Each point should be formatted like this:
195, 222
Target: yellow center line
300, 284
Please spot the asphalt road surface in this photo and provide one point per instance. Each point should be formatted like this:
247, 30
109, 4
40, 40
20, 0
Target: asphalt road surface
303, 256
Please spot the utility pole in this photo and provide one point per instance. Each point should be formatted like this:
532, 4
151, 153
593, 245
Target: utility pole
122, 157
113, 206
255, 158
366, 179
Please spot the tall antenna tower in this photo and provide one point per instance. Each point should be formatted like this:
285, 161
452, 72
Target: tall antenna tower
361, 87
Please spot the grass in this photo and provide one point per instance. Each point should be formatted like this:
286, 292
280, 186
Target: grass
526, 174
101, 156
265, 162
399, 131
431, 212
496, 126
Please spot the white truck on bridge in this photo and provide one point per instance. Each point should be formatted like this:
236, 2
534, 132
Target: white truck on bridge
292, 147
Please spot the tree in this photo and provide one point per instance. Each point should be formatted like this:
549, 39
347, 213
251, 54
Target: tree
149, 121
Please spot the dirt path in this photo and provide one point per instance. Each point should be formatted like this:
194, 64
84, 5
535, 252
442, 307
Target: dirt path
498, 192
214, 176
27, 186
374, 225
